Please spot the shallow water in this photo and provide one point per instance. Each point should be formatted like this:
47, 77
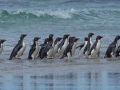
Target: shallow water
74, 17
57, 74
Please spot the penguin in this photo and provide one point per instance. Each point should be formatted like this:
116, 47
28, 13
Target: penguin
56, 43
112, 49
95, 48
68, 51
74, 45
48, 50
118, 51
89, 44
1, 45
34, 49
19, 48
82, 47
40, 55
63, 44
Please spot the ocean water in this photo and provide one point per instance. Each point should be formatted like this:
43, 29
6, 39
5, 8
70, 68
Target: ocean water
58, 17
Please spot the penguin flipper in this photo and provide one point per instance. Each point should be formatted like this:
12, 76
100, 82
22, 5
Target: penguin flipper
60, 45
113, 49
88, 46
15, 50
80, 46
31, 52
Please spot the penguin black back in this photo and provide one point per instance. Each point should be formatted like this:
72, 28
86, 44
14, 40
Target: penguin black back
57, 39
118, 51
1, 45
17, 48
87, 48
1, 42
111, 50
50, 39
69, 47
41, 52
33, 49
62, 42
95, 48
46, 48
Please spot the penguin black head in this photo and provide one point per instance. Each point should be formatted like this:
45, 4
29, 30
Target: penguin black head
86, 39
76, 39
99, 37
117, 37
22, 36
58, 38
66, 36
46, 41
51, 35
90, 34
71, 39
3, 40
36, 38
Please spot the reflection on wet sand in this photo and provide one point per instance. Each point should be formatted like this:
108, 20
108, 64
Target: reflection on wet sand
69, 81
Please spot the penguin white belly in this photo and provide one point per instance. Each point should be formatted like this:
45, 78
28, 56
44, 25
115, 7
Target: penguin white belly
116, 47
68, 55
20, 52
91, 44
63, 47
112, 53
1, 48
56, 48
95, 51
73, 48
35, 52
50, 53
82, 49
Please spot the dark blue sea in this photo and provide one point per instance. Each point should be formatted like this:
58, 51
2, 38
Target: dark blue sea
39, 18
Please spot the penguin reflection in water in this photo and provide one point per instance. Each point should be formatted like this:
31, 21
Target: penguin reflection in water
68, 51
34, 49
19, 48
95, 48
1, 45
112, 49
